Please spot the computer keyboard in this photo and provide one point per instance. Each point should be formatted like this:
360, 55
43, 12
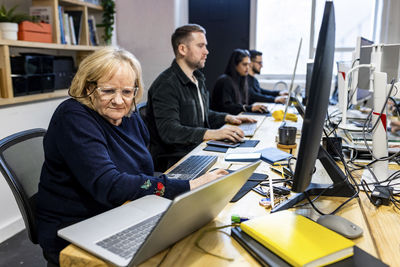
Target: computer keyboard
126, 242
192, 167
248, 128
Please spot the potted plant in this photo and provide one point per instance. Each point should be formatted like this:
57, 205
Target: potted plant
9, 22
108, 20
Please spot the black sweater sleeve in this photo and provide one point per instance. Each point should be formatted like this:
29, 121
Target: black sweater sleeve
223, 97
257, 94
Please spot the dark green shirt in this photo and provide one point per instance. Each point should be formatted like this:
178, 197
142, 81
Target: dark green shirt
174, 114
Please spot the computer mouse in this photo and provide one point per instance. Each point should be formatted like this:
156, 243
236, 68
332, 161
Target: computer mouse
340, 225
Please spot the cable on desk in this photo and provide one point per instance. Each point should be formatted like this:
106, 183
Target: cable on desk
348, 175
350, 82
370, 130
211, 229
314, 199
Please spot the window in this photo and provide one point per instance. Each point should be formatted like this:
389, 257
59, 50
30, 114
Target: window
279, 28
281, 23
353, 18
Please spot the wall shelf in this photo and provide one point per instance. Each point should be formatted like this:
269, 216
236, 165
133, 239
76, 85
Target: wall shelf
10, 48
81, 3
49, 45
33, 98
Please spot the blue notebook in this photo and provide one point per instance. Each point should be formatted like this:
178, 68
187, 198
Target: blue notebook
273, 154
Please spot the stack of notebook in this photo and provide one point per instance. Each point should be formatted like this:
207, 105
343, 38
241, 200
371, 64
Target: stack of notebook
287, 239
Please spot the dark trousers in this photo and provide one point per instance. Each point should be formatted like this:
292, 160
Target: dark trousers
52, 259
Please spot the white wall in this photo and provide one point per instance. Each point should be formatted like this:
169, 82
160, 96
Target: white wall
144, 27
14, 119
390, 24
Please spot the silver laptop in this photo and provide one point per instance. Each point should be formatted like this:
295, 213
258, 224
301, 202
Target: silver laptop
249, 129
290, 93
157, 221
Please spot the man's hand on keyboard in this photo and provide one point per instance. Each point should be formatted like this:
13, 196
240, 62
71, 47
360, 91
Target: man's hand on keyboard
238, 119
231, 133
206, 178
259, 108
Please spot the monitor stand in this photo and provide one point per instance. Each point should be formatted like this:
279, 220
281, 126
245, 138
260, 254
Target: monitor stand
340, 187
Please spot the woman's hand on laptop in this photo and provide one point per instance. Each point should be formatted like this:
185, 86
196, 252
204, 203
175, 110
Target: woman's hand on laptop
206, 178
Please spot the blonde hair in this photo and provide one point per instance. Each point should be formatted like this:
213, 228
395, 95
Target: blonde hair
102, 64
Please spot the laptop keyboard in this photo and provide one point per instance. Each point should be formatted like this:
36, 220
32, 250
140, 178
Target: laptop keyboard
248, 128
128, 241
192, 167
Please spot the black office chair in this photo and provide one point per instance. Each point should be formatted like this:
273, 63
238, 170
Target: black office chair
21, 160
141, 107
163, 161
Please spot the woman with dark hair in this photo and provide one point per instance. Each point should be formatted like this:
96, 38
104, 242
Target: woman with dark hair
231, 93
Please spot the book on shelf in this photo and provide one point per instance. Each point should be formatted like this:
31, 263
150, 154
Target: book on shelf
298, 240
95, 2
61, 19
42, 13
67, 33
93, 38
72, 30
77, 23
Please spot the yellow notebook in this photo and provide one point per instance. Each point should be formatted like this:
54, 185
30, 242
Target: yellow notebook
298, 240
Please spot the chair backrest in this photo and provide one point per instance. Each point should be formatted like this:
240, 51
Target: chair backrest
141, 107
21, 160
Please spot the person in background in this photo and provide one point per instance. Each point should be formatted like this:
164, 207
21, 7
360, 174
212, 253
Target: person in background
178, 113
96, 155
231, 91
394, 126
257, 94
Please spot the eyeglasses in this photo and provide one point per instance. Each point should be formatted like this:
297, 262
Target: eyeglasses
108, 93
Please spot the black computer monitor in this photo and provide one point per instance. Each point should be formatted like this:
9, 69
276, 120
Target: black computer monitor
310, 65
363, 53
364, 57
315, 113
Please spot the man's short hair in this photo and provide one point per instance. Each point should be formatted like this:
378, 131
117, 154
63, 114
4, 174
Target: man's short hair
254, 54
183, 34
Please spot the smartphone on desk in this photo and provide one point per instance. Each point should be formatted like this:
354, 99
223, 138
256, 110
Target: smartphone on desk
222, 143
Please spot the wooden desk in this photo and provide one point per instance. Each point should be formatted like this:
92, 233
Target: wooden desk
381, 225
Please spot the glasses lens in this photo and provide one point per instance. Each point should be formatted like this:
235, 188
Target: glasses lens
109, 93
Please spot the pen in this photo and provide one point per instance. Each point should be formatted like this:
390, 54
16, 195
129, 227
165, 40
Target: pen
271, 193
281, 164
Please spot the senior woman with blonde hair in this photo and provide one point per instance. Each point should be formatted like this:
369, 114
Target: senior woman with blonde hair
96, 155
